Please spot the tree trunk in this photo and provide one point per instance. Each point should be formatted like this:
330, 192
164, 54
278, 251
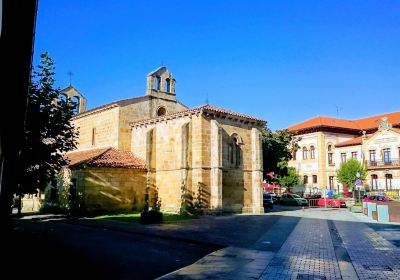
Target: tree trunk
6, 197
19, 205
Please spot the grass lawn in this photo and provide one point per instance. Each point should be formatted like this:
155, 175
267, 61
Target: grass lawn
134, 217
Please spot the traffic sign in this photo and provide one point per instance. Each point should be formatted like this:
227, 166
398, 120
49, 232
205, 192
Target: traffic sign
359, 182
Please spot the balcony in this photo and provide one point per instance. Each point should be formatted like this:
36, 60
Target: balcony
395, 162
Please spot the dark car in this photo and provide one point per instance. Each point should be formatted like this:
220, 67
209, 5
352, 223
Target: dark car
267, 200
293, 199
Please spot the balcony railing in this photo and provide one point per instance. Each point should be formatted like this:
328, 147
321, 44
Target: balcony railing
383, 163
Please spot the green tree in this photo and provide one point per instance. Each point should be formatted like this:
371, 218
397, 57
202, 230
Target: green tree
290, 180
347, 173
277, 148
49, 133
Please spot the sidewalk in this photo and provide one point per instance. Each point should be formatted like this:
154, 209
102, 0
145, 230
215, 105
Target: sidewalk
325, 244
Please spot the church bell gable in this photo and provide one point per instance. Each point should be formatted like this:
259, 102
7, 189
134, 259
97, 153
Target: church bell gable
161, 83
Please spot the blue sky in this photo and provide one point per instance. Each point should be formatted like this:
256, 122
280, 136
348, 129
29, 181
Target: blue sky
284, 61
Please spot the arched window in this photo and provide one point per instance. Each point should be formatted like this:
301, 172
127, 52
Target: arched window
374, 181
330, 155
312, 152
305, 179
305, 152
76, 100
157, 83
167, 85
389, 178
314, 179
237, 151
161, 111
63, 97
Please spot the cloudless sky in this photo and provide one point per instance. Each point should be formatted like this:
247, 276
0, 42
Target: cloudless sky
284, 61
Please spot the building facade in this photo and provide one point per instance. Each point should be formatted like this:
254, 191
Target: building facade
327, 142
155, 144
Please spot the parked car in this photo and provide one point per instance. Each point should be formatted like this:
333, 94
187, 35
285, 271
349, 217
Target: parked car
267, 200
292, 199
375, 198
312, 196
332, 202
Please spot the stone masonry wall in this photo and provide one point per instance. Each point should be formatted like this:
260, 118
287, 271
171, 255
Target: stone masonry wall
112, 188
181, 153
105, 124
139, 111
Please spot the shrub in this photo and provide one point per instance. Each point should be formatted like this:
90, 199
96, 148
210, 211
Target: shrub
151, 217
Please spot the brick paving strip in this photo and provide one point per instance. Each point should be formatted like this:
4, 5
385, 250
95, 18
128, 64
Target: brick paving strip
372, 256
324, 244
308, 253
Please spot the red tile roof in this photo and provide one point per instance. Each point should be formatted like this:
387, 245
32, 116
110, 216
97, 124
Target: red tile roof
228, 112
105, 157
352, 142
324, 121
199, 109
359, 124
374, 121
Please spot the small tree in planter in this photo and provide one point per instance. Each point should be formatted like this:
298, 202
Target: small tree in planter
348, 172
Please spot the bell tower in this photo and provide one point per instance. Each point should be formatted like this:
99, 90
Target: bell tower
161, 84
76, 97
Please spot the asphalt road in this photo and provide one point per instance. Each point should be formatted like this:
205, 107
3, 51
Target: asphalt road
85, 249
63, 250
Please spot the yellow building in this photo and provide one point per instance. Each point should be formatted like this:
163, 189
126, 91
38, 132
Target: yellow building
154, 142
326, 142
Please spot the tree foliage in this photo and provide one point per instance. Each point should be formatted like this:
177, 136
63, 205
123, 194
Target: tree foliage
347, 173
48, 130
277, 148
290, 180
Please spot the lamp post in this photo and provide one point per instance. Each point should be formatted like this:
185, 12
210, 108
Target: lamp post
358, 187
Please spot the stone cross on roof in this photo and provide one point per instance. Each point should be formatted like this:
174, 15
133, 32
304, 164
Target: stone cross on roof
385, 125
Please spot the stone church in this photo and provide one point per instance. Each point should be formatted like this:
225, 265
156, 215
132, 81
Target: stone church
154, 146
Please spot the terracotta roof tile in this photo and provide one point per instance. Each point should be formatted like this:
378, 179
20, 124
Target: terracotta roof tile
195, 110
359, 124
352, 142
228, 112
324, 121
105, 157
374, 121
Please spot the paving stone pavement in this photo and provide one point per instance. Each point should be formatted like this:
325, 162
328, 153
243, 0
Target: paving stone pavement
372, 256
325, 244
308, 253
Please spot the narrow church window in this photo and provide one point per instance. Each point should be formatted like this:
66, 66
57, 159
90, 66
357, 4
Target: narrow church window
230, 153
238, 155
167, 85
161, 111
93, 136
75, 100
157, 83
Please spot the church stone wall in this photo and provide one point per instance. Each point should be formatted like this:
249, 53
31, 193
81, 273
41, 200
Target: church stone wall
190, 153
103, 125
241, 184
139, 111
111, 188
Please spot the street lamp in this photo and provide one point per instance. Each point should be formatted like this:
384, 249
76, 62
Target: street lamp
358, 187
